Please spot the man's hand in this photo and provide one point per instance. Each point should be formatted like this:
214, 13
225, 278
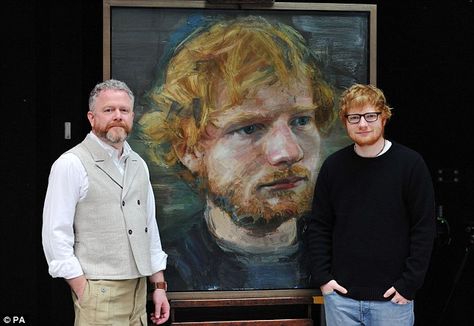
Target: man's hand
332, 286
162, 307
78, 284
397, 298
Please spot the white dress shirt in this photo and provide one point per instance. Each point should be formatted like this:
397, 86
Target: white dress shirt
67, 185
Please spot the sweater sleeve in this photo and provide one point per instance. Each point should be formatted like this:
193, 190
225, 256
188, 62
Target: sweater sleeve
319, 233
421, 207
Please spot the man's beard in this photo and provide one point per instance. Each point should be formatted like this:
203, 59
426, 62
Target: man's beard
257, 212
114, 133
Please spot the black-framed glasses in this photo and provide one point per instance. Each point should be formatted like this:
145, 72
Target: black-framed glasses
369, 117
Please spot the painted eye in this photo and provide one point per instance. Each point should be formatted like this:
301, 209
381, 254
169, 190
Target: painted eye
249, 129
300, 121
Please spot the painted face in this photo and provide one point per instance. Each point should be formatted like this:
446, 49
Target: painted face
112, 118
260, 158
366, 133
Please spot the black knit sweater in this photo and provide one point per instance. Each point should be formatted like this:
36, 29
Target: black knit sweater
373, 223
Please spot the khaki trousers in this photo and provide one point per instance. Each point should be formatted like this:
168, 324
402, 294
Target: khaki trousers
114, 303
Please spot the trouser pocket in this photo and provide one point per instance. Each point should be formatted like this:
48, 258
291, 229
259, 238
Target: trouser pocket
94, 304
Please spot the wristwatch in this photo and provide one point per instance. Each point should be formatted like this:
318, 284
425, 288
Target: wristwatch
159, 285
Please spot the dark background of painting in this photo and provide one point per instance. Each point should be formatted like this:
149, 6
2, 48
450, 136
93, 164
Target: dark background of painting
142, 42
144, 39
52, 57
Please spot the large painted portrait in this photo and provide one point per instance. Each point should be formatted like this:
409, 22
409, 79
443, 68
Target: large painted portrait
236, 108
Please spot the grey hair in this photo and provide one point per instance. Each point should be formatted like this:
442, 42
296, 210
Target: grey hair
109, 84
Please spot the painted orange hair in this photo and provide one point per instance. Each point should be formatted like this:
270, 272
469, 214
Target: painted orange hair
242, 55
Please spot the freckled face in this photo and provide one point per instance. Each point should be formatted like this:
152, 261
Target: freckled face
260, 157
366, 133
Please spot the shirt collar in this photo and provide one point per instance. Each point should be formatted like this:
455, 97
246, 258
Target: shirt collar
112, 151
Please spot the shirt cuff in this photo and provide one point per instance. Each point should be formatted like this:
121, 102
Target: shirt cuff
158, 262
67, 268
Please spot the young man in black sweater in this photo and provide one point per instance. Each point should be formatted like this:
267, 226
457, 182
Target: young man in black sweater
371, 234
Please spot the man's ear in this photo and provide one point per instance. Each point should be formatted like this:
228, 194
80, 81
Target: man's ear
189, 157
90, 117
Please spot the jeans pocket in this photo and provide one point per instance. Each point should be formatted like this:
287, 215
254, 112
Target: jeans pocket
401, 304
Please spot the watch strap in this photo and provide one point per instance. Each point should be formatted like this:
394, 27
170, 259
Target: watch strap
159, 285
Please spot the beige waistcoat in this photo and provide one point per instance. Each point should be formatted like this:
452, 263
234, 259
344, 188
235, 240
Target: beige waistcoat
110, 224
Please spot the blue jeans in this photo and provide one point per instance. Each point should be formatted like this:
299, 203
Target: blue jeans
342, 311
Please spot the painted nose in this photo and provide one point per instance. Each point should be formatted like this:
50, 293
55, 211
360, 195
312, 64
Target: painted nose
282, 146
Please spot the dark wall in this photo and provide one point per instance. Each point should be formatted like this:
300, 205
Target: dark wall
17, 140
52, 57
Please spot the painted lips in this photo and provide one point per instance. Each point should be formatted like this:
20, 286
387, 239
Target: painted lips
284, 183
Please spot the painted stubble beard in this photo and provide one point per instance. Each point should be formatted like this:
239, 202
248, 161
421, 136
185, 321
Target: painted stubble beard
253, 210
